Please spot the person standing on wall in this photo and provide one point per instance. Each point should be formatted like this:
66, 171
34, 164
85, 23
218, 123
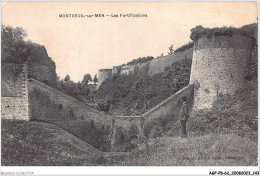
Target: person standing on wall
184, 115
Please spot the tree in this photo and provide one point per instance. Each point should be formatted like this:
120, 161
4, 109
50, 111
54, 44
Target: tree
85, 90
171, 50
14, 48
95, 80
86, 79
67, 78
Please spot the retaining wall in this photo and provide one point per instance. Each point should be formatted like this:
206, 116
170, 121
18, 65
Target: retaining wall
50, 105
150, 68
163, 116
158, 65
166, 114
127, 69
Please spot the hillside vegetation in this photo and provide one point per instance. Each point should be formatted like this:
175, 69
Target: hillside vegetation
37, 143
223, 136
237, 114
226, 135
231, 114
200, 31
208, 150
140, 60
133, 95
42, 144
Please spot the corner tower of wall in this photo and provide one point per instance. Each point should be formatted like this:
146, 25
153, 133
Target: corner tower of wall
103, 74
218, 66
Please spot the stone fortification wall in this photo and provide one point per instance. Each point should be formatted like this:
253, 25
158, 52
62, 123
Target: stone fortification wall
116, 70
218, 67
150, 68
158, 65
103, 74
14, 95
41, 66
139, 68
14, 108
129, 130
166, 114
127, 69
50, 105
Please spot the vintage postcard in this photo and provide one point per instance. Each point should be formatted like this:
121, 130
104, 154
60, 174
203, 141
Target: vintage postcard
129, 84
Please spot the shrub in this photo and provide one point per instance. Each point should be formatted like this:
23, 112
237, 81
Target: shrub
156, 132
14, 48
200, 31
184, 47
231, 114
252, 70
140, 60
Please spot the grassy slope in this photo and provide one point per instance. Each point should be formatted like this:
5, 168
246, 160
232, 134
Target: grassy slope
208, 150
37, 143
231, 114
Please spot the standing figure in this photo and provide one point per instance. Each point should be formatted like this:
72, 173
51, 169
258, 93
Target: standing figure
184, 116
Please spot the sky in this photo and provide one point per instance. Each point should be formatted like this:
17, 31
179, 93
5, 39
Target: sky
84, 45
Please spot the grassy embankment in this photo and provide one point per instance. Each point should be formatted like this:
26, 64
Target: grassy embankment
37, 143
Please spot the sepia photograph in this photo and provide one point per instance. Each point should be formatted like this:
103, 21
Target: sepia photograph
142, 83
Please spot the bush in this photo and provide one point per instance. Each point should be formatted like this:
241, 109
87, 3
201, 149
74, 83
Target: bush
184, 47
14, 48
156, 132
200, 31
140, 60
231, 114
